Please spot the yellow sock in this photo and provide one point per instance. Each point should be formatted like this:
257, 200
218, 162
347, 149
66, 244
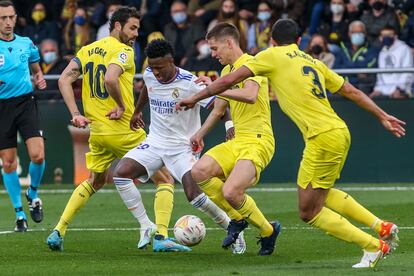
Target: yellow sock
250, 212
163, 206
339, 227
213, 188
347, 206
79, 197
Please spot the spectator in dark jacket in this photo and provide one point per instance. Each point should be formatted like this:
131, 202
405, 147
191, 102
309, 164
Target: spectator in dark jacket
182, 33
40, 28
377, 18
358, 54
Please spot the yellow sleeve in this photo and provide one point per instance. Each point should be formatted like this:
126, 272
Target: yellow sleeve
124, 57
261, 64
333, 81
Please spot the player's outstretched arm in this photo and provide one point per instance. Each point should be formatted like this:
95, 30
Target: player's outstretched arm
136, 121
39, 80
218, 86
247, 94
69, 76
215, 115
112, 75
390, 123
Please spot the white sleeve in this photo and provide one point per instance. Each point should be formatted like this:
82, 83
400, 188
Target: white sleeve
195, 88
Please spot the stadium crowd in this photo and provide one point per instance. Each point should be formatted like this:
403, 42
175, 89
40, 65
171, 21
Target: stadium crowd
341, 33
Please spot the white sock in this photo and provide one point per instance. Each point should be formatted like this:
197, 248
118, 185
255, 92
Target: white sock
132, 199
208, 207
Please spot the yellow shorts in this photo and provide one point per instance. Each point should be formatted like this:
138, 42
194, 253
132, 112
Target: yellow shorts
323, 158
257, 148
106, 148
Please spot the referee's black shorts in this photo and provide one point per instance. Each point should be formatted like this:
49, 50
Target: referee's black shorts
18, 114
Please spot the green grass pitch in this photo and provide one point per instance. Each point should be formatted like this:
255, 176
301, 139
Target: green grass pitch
103, 239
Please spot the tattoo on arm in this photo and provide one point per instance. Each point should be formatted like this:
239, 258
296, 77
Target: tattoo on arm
73, 74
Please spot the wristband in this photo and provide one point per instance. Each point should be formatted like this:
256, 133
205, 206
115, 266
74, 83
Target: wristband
228, 124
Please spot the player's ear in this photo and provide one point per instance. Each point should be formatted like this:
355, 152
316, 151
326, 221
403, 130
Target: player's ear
229, 43
273, 41
118, 26
299, 40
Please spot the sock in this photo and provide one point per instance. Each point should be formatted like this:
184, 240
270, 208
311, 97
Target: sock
132, 199
214, 189
36, 174
163, 206
12, 184
205, 205
79, 197
254, 216
347, 206
339, 227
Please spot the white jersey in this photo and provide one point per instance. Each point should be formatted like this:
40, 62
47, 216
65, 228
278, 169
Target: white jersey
170, 129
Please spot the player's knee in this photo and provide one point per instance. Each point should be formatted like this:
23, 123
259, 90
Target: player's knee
233, 196
37, 157
200, 172
307, 214
9, 165
124, 170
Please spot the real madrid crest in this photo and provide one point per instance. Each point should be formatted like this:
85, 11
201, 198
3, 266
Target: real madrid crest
175, 94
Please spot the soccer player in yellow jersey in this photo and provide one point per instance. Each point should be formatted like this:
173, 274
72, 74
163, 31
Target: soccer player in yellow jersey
300, 83
239, 161
108, 68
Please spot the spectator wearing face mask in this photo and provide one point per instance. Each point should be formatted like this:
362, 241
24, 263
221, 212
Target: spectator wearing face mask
335, 24
377, 18
51, 64
202, 64
229, 13
358, 53
260, 31
40, 28
77, 32
182, 32
103, 31
394, 54
318, 48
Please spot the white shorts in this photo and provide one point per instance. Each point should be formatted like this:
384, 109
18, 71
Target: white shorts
178, 162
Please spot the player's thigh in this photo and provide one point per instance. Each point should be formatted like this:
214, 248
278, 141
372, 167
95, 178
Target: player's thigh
222, 155
257, 149
323, 158
147, 156
180, 163
99, 157
205, 168
8, 133
241, 178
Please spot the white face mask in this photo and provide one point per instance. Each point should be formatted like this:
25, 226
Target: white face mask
204, 50
337, 8
50, 57
109, 15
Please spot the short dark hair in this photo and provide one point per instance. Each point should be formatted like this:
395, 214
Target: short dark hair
390, 28
285, 32
5, 4
121, 15
222, 30
159, 48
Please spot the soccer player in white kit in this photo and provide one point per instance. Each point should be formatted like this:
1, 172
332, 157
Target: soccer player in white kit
168, 141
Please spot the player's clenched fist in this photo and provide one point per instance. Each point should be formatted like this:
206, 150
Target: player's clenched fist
80, 121
197, 143
116, 113
40, 82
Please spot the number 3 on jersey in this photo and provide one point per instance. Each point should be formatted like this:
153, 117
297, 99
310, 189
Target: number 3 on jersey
96, 80
317, 89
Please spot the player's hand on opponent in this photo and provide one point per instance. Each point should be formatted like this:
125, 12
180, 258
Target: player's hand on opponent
203, 80
230, 134
80, 121
393, 125
186, 103
40, 82
197, 143
136, 121
116, 113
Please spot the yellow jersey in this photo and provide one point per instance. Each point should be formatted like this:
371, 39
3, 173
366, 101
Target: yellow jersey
250, 118
300, 83
94, 59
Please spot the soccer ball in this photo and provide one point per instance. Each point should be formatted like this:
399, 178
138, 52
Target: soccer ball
189, 230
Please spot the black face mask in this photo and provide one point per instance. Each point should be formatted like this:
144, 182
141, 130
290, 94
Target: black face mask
378, 6
316, 50
228, 14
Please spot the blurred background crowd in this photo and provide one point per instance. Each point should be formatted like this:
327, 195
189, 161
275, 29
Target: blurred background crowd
344, 34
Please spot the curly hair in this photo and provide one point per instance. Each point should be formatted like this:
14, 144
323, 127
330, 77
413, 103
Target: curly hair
159, 48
